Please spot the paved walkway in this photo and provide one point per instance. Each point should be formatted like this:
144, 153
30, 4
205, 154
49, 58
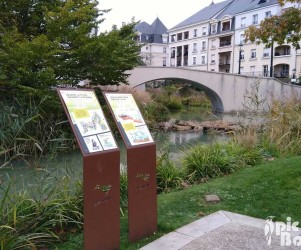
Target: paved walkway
223, 230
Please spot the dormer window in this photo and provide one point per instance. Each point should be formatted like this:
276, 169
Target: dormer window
262, 1
213, 28
226, 26
165, 38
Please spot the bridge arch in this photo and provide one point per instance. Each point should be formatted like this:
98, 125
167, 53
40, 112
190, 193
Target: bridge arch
216, 102
227, 92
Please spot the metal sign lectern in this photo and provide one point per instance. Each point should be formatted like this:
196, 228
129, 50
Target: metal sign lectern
101, 168
141, 165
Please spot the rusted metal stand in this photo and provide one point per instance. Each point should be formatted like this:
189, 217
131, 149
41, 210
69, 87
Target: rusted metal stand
142, 191
101, 201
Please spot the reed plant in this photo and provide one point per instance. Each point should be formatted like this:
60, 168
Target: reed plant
30, 132
36, 218
281, 133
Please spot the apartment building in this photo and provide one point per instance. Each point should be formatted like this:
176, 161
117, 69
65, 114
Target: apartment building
213, 39
154, 41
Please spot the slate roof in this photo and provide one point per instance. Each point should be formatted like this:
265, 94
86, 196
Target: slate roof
256, 4
228, 7
204, 14
151, 33
235, 7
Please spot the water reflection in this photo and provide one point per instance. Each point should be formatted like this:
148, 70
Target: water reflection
71, 163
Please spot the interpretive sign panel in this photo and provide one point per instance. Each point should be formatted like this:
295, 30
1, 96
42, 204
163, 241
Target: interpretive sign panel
129, 119
101, 168
89, 123
141, 165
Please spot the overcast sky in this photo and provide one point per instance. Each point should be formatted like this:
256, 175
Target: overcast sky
170, 12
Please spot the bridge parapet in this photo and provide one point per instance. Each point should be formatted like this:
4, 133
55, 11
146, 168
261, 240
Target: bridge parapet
227, 92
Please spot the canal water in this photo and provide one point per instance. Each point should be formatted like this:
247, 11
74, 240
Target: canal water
70, 164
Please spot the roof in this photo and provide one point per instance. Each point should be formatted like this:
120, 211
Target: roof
228, 7
151, 33
235, 7
257, 4
158, 27
204, 14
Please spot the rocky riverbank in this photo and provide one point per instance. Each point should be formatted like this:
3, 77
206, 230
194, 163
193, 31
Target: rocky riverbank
218, 125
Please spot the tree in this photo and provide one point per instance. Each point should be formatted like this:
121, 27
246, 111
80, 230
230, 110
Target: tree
282, 28
45, 43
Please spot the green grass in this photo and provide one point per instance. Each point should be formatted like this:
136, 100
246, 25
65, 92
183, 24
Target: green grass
269, 189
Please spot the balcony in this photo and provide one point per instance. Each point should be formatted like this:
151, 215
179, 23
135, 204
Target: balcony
224, 43
283, 54
283, 50
224, 62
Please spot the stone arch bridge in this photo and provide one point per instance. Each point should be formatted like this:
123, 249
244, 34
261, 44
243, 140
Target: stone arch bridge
227, 92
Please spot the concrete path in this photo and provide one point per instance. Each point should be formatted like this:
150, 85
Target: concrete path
226, 230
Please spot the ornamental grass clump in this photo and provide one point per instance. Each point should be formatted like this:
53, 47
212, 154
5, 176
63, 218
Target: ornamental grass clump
282, 129
205, 161
169, 176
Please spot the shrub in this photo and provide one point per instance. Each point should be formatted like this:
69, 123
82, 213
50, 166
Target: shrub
156, 112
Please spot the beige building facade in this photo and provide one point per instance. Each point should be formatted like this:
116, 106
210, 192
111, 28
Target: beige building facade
213, 40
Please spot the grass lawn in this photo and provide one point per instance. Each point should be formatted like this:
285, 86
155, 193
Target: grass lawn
270, 189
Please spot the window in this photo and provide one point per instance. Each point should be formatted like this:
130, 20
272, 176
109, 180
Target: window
243, 22
173, 52
194, 60
179, 36
241, 38
164, 61
213, 59
226, 26
195, 47
266, 52
146, 48
203, 60
265, 70
213, 46
286, 50
195, 32
173, 38
253, 53
242, 55
164, 49
255, 19
204, 45
204, 31
213, 28
268, 14
164, 38
186, 34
